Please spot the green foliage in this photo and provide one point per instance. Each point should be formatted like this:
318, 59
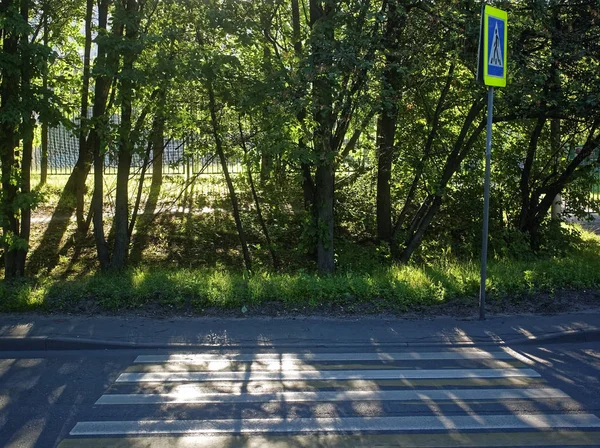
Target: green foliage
13, 242
355, 203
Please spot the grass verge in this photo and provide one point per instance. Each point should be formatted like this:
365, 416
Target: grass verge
394, 289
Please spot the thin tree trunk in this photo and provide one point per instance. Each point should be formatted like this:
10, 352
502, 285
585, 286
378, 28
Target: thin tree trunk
99, 111
158, 140
25, 190
555, 145
155, 147
426, 154
557, 36
351, 145
525, 181
261, 220
549, 192
76, 183
266, 161
230, 187
98, 204
126, 144
432, 203
140, 188
158, 146
28, 126
308, 186
418, 235
44, 158
85, 155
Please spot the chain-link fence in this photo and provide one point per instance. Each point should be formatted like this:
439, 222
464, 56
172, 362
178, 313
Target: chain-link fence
180, 156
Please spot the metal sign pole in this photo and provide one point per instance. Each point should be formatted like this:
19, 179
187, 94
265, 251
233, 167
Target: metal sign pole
486, 203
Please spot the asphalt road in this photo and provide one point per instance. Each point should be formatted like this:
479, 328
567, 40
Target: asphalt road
307, 398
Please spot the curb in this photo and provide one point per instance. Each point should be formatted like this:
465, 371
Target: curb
567, 337
41, 343
48, 343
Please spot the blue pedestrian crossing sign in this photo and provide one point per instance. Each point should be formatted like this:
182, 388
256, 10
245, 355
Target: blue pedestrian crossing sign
493, 46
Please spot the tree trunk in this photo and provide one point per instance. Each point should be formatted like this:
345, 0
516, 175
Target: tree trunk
101, 88
525, 182
25, 231
84, 153
76, 182
417, 237
126, 144
322, 27
386, 132
325, 183
308, 186
140, 188
121, 223
98, 203
28, 127
9, 141
555, 145
266, 160
155, 147
555, 88
44, 158
158, 140
44, 155
158, 146
230, 187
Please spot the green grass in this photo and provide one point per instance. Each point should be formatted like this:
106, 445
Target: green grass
391, 288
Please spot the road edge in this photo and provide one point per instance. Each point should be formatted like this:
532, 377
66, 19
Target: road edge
48, 343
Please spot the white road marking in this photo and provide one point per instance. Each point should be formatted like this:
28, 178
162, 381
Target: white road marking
135, 377
303, 425
249, 357
190, 395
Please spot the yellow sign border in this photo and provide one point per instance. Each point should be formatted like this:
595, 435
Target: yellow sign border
494, 81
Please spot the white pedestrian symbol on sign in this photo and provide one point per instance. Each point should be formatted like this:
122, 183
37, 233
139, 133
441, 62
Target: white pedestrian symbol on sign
496, 58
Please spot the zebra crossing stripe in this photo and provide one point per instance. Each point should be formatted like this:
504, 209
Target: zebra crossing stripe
278, 366
291, 375
249, 357
314, 425
515, 439
191, 395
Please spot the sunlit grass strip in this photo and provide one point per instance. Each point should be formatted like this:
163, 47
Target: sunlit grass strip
387, 288
397, 288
